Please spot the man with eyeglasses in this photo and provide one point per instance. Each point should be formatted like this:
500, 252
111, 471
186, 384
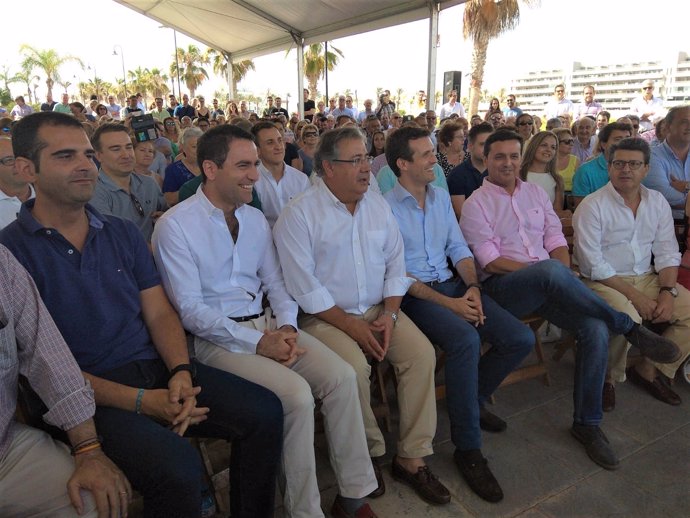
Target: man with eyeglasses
649, 107
350, 106
452, 106
14, 189
342, 257
617, 229
119, 191
558, 104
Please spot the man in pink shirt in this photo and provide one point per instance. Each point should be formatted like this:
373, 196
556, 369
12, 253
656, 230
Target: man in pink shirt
518, 243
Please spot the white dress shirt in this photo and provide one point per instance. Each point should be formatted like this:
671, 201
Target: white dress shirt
610, 240
333, 258
10, 205
209, 278
275, 195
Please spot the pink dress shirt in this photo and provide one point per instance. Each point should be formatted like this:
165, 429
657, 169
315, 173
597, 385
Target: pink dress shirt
522, 227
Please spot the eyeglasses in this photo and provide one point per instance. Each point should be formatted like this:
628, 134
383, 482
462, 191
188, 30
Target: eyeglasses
310, 134
526, 123
396, 117
356, 162
567, 142
7, 161
169, 123
648, 88
634, 165
137, 205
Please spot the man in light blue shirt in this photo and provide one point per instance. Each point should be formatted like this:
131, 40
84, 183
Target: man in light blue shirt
669, 167
452, 311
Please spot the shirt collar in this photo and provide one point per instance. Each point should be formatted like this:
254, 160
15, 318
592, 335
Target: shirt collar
111, 185
209, 208
497, 189
32, 225
402, 194
644, 193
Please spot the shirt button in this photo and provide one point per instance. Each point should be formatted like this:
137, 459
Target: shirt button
48, 232
70, 251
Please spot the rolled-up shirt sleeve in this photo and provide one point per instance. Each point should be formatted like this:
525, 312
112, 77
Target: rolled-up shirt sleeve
665, 246
659, 179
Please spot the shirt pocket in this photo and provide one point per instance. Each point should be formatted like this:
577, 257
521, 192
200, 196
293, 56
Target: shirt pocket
535, 218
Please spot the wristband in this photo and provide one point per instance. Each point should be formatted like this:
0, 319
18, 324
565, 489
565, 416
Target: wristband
87, 445
475, 285
140, 396
84, 449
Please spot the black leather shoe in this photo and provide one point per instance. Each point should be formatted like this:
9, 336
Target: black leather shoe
379, 491
655, 347
659, 388
490, 422
475, 470
596, 445
424, 482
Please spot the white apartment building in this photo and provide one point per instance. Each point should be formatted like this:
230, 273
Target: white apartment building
616, 85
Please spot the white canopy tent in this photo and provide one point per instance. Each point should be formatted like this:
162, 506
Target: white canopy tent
270, 26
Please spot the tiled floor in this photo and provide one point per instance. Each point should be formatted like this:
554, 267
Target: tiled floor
545, 472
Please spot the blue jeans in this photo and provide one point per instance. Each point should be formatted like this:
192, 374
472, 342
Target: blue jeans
167, 470
551, 290
470, 380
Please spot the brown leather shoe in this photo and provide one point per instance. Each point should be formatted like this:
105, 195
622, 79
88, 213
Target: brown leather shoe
608, 397
659, 388
379, 491
424, 482
364, 511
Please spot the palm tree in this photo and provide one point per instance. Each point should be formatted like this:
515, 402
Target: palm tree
483, 21
158, 82
48, 61
25, 77
219, 61
191, 70
315, 64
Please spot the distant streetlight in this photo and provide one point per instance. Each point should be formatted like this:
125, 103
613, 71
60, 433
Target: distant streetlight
122, 58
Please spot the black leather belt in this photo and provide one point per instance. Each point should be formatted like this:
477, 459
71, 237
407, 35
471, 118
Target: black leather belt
248, 317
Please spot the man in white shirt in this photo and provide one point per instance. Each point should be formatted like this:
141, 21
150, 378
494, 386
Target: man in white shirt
14, 190
21, 109
113, 108
648, 107
217, 260
452, 106
558, 105
617, 229
278, 182
342, 257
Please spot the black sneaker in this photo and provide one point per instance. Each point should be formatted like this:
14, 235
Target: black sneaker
490, 422
596, 444
475, 470
655, 347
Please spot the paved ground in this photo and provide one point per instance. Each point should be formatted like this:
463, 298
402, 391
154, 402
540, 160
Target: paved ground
545, 472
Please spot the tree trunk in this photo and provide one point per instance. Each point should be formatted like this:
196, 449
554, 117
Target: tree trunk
312, 87
49, 84
481, 45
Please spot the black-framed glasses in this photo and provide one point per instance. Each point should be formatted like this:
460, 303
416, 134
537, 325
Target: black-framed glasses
310, 134
7, 161
355, 162
526, 123
567, 142
137, 205
634, 165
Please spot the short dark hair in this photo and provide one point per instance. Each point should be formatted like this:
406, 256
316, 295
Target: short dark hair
327, 149
501, 135
398, 145
631, 144
112, 127
262, 125
672, 113
25, 141
215, 144
447, 131
479, 129
605, 132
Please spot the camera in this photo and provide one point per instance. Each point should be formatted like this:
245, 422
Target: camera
144, 127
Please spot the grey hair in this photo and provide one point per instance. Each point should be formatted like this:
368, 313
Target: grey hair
189, 133
327, 151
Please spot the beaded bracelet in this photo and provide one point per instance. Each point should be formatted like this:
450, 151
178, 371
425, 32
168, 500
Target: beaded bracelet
140, 396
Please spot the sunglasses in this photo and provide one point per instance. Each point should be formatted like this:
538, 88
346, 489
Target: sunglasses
526, 123
648, 88
137, 205
567, 142
169, 123
310, 134
560, 91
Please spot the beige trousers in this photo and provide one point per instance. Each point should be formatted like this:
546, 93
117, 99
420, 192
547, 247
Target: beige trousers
413, 359
678, 332
318, 373
34, 475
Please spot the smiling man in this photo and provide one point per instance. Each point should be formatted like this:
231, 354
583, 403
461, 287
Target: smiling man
120, 191
616, 231
518, 242
342, 255
217, 260
14, 189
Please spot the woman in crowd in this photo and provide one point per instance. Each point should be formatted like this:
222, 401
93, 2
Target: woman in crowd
172, 133
494, 107
202, 110
451, 138
177, 173
144, 153
525, 126
309, 139
100, 112
231, 110
378, 144
566, 162
539, 164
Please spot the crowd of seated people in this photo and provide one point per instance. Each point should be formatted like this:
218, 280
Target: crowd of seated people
293, 255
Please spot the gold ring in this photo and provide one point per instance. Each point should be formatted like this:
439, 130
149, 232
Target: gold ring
123, 492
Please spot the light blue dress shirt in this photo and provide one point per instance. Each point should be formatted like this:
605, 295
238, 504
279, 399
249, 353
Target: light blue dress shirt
662, 165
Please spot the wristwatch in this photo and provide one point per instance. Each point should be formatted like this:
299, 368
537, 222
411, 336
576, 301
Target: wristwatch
393, 314
189, 367
671, 289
